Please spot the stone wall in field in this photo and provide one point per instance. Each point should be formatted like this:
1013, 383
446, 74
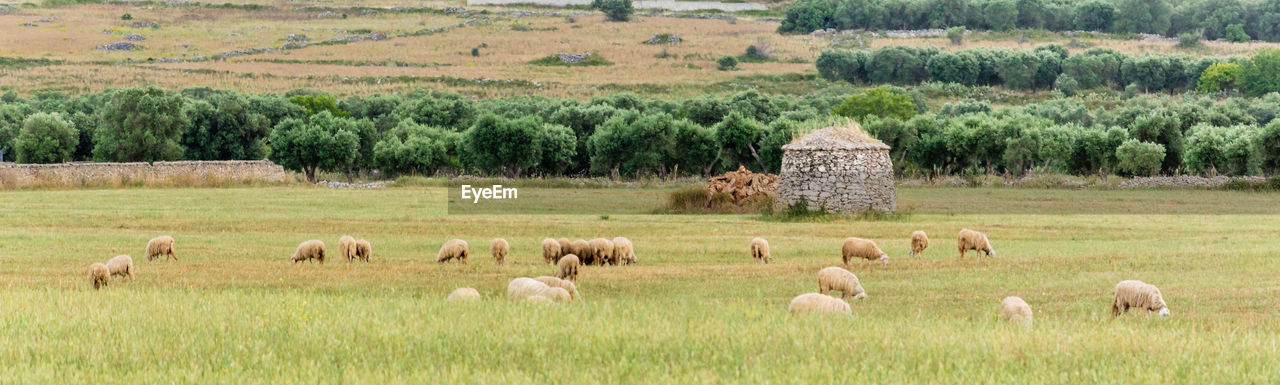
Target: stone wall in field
194, 173
838, 172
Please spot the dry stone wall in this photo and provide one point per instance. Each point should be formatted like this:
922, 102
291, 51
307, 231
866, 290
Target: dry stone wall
844, 181
90, 173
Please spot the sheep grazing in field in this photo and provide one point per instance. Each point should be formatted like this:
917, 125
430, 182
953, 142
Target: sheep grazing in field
364, 250
538, 299
1015, 310
121, 265
162, 245
550, 251
814, 303
565, 248
582, 249
99, 275
560, 283
453, 249
308, 250
499, 248
836, 278
568, 265
347, 247
760, 250
463, 294
919, 242
602, 252
523, 288
973, 240
864, 249
623, 251
1138, 294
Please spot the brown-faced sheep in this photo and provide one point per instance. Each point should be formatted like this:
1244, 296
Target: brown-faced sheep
364, 250
453, 249
560, 283
523, 288
602, 251
1015, 310
121, 265
463, 294
162, 245
623, 251
99, 275
308, 250
864, 249
550, 251
919, 242
499, 248
582, 249
1138, 294
973, 240
760, 250
568, 265
836, 278
347, 247
818, 303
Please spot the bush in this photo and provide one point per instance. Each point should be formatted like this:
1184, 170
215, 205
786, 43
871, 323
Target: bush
410, 148
727, 63
615, 10
881, 102
141, 124
1261, 75
1236, 34
956, 35
1139, 158
593, 59
321, 142
126, 17
1067, 84
46, 138
1219, 77
1189, 39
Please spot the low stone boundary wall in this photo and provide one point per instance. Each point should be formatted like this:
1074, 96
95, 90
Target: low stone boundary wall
184, 173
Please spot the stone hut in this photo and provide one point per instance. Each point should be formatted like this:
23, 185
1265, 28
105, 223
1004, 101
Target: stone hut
839, 169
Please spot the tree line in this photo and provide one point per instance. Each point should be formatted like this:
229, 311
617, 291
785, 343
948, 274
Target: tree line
1235, 20
1051, 67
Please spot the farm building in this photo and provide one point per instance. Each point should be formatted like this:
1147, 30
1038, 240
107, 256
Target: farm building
839, 169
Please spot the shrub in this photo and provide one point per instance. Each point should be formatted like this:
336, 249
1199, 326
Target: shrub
410, 148
615, 10
475, 51
727, 63
1219, 77
224, 127
956, 35
1236, 34
593, 59
141, 124
881, 102
1139, 158
1067, 84
510, 147
126, 17
1189, 39
1261, 75
46, 138
321, 142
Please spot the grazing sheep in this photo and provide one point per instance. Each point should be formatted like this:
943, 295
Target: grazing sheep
862, 248
602, 251
565, 247
1138, 294
463, 294
537, 299
919, 242
760, 250
99, 275
560, 283
973, 240
818, 303
347, 247
1015, 310
162, 245
582, 249
499, 248
836, 278
568, 265
523, 288
453, 249
121, 265
313, 249
623, 251
550, 251
364, 251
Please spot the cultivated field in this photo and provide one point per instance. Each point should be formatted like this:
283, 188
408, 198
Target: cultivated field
695, 310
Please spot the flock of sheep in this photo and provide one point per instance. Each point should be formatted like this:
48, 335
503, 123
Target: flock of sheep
568, 255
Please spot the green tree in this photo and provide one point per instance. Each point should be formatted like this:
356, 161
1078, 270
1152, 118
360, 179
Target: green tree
952, 68
1139, 158
1001, 15
615, 10
1163, 127
559, 149
1218, 77
881, 102
321, 142
727, 63
738, 138
1261, 75
316, 103
1268, 147
411, 148
46, 138
1095, 15
141, 124
696, 150
1236, 34
509, 147
224, 127
1143, 16
777, 134
806, 16
438, 109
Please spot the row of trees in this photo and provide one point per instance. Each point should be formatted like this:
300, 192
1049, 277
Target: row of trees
1236, 20
1050, 66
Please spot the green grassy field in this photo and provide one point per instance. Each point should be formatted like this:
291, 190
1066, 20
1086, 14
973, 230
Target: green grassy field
695, 310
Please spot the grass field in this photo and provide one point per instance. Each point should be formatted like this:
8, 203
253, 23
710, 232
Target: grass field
695, 310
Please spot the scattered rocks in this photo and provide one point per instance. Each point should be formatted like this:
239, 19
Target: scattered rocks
1183, 181
1157, 38
663, 38
135, 37
144, 24
47, 20
5, 9
770, 19
452, 10
27, 25
328, 15
121, 46
296, 37
340, 185
573, 58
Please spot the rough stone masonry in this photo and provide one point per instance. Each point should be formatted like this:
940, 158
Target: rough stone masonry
837, 169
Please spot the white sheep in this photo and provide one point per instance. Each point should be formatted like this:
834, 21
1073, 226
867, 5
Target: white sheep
564, 248
560, 283
864, 249
1138, 294
623, 251
973, 240
463, 294
582, 249
836, 278
818, 303
568, 266
364, 250
162, 245
550, 251
347, 247
760, 250
1015, 310
602, 252
121, 265
499, 248
308, 250
453, 249
523, 288
919, 242
99, 275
